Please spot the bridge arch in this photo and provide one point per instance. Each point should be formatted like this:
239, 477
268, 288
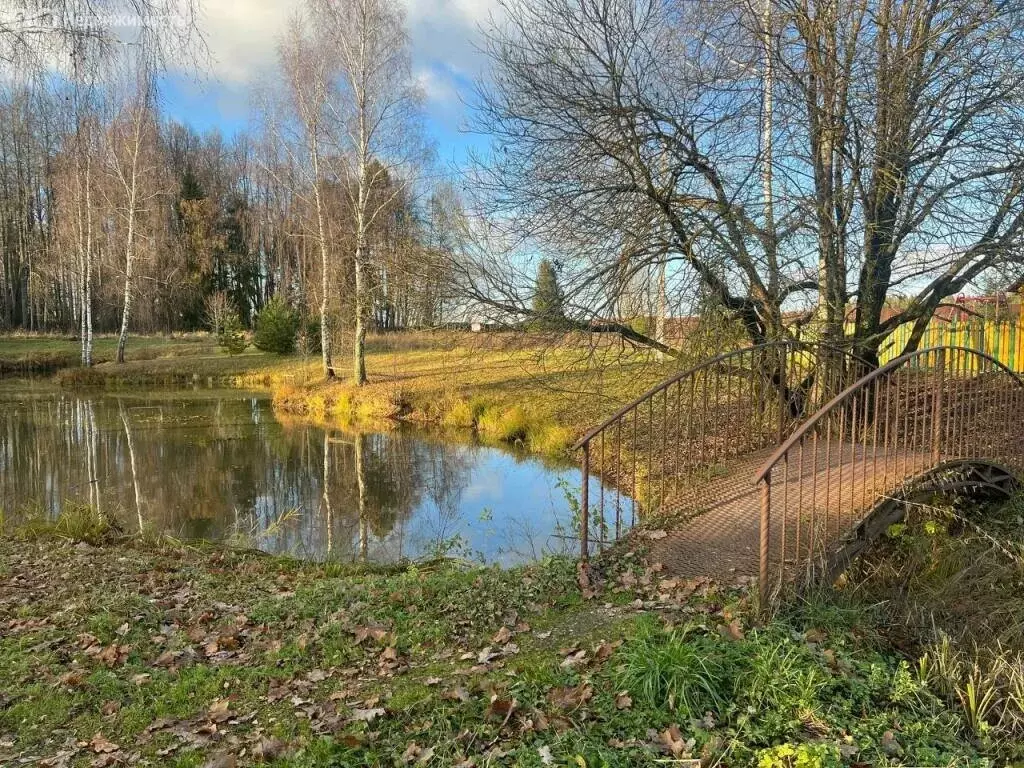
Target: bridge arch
941, 418
978, 479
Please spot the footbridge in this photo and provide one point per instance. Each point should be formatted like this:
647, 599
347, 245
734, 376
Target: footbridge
784, 460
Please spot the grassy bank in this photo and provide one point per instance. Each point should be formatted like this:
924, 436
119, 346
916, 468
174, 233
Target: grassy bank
536, 390
119, 651
43, 354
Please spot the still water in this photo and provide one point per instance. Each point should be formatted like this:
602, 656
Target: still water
220, 466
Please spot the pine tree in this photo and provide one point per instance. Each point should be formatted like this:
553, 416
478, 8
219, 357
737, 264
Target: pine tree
547, 299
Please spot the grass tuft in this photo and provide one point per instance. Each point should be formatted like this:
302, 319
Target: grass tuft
504, 424
77, 522
682, 671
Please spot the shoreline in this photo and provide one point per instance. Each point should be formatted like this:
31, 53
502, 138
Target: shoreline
534, 393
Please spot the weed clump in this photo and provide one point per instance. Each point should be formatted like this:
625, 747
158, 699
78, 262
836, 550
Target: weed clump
76, 522
682, 671
508, 425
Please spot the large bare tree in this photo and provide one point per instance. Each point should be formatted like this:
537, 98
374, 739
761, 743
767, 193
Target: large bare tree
778, 157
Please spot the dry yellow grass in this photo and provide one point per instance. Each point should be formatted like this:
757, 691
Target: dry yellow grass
538, 390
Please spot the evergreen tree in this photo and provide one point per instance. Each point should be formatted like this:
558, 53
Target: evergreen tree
547, 298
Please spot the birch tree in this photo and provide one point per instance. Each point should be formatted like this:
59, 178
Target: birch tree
379, 120
132, 163
84, 150
309, 68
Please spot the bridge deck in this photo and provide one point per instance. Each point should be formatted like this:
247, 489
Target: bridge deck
832, 485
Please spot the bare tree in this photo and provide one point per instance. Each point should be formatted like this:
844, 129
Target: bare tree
777, 156
40, 35
378, 120
309, 68
908, 116
132, 162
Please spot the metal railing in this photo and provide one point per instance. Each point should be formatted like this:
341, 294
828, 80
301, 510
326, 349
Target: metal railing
937, 413
673, 448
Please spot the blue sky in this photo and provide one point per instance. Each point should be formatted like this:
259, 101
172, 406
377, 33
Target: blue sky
242, 35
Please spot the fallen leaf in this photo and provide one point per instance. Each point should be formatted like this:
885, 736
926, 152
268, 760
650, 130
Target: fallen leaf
367, 715
220, 711
569, 698
500, 709
268, 749
72, 679
574, 658
100, 744
605, 650
456, 694
370, 633
623, 700
222, 760
110, 707
731, 631
502, 636
672, 741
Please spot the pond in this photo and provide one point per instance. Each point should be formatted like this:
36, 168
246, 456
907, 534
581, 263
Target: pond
220, 466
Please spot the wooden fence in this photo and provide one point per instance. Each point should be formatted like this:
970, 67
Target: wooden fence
1002, 339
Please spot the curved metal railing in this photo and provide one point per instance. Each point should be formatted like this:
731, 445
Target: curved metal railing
680, 437
935, 407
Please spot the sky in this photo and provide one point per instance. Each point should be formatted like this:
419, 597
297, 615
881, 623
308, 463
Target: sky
242, 36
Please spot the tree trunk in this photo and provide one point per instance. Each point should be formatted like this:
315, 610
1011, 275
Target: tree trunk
325, 328
659, 320
359, 352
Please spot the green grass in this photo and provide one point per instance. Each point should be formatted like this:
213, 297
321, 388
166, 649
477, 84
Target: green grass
180, 654
951, 581
41, 350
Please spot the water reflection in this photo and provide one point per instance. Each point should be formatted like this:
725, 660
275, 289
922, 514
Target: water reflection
219, 466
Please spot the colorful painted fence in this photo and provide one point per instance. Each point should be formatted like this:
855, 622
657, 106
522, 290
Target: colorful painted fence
1003, 339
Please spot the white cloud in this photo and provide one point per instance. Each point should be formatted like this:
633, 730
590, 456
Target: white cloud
242, 37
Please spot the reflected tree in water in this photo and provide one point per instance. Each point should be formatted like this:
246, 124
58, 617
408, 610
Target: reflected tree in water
221, 467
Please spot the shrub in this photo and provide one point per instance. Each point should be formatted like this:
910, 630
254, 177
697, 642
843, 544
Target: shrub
277, 327
232, 334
